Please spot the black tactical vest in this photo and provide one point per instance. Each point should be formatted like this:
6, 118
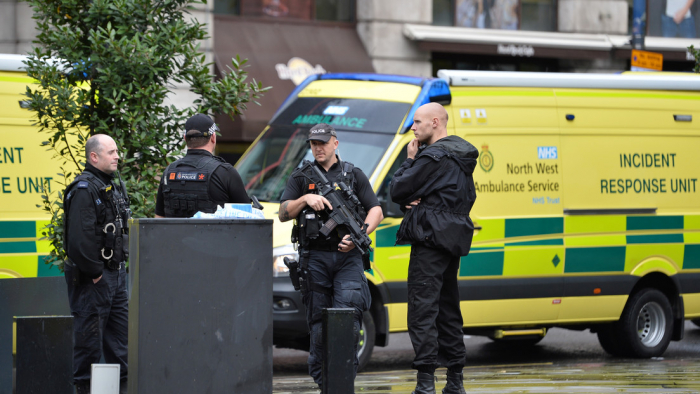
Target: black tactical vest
186, 186
348, 178
111, 230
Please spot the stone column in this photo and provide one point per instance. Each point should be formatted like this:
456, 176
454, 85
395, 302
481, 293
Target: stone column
181, 95
380, 27
593, 16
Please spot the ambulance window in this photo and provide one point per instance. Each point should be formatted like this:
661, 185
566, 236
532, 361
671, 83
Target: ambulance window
390, 208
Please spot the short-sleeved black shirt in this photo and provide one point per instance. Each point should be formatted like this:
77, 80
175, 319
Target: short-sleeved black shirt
225, 185
362, 188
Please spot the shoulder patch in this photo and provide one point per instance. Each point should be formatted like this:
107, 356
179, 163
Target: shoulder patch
82, 185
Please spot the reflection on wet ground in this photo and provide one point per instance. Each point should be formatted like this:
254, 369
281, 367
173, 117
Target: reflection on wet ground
648, 376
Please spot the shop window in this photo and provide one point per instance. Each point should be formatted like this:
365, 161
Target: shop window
228, 7
325, 10
335, 10
537, 15
443, 12
673, 18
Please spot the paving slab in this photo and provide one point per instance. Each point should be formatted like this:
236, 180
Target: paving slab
647, 376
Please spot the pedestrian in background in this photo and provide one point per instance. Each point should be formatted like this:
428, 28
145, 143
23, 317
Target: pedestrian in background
95, 227
435, 188
199, 181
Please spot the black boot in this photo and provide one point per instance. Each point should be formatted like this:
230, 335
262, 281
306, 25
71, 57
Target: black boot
425, 383
82, 387
455, 383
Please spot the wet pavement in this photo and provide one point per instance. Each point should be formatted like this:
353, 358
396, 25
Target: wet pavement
647, 376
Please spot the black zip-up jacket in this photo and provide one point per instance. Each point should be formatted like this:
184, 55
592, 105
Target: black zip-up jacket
87, 212
441, 176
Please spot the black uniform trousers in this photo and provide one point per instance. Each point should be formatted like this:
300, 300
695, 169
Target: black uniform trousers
100, 321
345, 274
434, 317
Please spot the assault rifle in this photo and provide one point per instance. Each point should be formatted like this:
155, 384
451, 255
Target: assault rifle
343, 214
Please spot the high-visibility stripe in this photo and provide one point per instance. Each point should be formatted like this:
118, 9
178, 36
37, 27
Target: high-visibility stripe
18, 79
655, 239
481, 264
554, 241
635, 95
386, 236
691, 257
17, 229
605, 259
654, 222
495, 92
534, 226
17, 247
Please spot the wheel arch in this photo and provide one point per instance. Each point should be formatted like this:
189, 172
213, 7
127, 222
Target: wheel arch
669, 286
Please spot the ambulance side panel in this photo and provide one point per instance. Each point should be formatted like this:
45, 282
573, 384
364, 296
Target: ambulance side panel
24, 167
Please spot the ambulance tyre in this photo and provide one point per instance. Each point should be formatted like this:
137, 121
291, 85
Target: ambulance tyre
646, 325
696, 322
366, 341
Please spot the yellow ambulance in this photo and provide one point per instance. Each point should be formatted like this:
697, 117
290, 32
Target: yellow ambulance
588, 200
25, 166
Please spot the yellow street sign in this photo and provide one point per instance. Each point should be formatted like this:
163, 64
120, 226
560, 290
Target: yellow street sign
647, 60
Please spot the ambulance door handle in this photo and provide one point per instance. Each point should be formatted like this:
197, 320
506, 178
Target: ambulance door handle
683, 118
477, 228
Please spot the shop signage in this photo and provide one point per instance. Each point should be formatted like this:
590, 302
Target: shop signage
297, 70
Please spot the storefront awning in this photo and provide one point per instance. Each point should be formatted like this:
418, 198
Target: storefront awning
281, 55
538, 44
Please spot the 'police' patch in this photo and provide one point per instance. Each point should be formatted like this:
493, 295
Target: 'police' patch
82, 185
191, 176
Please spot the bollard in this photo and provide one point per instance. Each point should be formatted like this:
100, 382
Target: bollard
338, 351
44, 354
105, 379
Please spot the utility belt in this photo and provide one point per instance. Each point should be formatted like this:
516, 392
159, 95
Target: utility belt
78, 276
116, 244
324, 248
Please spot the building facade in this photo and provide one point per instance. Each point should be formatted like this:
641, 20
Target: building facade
287, 40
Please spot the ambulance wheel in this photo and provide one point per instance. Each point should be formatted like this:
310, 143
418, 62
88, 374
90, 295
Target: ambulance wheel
696, 322
646, 325
366, 341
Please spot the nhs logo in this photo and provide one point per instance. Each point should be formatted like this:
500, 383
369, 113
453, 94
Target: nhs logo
547, 152
335, 110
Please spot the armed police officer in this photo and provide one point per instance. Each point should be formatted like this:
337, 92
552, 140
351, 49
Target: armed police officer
199, 181
95, 226
435, 188
335, 266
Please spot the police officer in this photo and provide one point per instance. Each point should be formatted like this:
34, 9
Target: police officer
434, 185
95, 227
336, 275
199, 181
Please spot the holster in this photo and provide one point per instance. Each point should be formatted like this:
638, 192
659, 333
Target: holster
365, 262
298, 272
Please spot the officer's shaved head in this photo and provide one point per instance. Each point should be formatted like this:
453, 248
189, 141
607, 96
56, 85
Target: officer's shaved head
436, 110
94, 144
101, 152
430, 123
